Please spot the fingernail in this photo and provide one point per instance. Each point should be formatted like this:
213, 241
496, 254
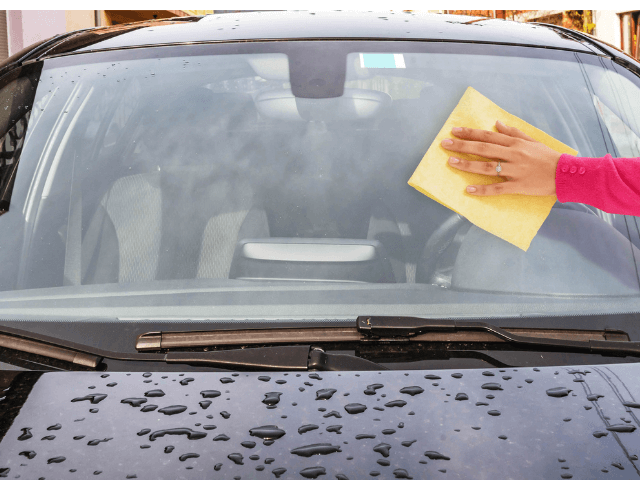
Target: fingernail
454, 160
447, 142
471, 189
456, 130
500, 123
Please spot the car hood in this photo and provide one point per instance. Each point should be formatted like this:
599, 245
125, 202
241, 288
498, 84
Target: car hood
509, 423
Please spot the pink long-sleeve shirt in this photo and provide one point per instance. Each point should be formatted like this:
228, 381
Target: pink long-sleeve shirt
610, 184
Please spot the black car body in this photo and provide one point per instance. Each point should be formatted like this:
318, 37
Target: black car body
212, 266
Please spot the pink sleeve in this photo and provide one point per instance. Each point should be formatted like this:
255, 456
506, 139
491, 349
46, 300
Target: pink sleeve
610, 184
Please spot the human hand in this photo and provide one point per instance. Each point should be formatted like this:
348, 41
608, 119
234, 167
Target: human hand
528, 166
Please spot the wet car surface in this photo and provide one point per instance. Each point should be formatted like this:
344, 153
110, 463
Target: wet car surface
495, 423
210, 212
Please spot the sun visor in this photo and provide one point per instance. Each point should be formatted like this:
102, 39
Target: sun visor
354, 104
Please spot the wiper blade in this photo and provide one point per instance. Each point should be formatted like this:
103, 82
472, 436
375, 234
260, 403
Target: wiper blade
301, 357
390, 327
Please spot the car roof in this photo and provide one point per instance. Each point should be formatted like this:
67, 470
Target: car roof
274, 25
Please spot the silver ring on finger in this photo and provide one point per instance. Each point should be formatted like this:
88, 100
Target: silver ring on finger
499, 169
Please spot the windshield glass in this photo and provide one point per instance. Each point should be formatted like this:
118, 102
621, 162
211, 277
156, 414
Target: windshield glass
270, 180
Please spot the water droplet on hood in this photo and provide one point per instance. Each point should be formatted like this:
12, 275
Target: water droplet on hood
432, 377
401, 473
225, 414
621, 428
134, 402
221, 438
491, 386
26, 434
395, 403
271, 398
30, 454
169, 449
148, 408
185, 381
354, 408
187, 456
57, 426
371, 389
334, 429
593, 397
154, 393
210, 393
362, 436
236, 458
435, 455
462, 396
325, 393
494, 413
456, 375
307, 428
278, 472
600, 434
415, 390
332, 413
56, 460
226, 380
173, 409
558, 392
264, 378
267, 432
382, 449
204, 404
93, 398
191, 435
97, 441
316, 449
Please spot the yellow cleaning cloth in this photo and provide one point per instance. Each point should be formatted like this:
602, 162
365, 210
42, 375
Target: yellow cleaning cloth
514, 218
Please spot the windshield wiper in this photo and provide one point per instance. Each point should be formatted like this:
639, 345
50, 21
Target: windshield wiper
300, 357
371, 329
394, 327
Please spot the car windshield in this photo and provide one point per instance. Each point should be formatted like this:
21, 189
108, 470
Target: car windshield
269, 180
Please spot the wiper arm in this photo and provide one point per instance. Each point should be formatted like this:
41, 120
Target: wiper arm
392, 327
302, 357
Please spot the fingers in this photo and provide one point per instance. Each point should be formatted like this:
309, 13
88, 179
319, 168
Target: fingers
501, 188
487, 150
512, 131
486, 136
483, 168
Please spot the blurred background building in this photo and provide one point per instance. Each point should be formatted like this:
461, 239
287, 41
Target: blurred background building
21, 28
